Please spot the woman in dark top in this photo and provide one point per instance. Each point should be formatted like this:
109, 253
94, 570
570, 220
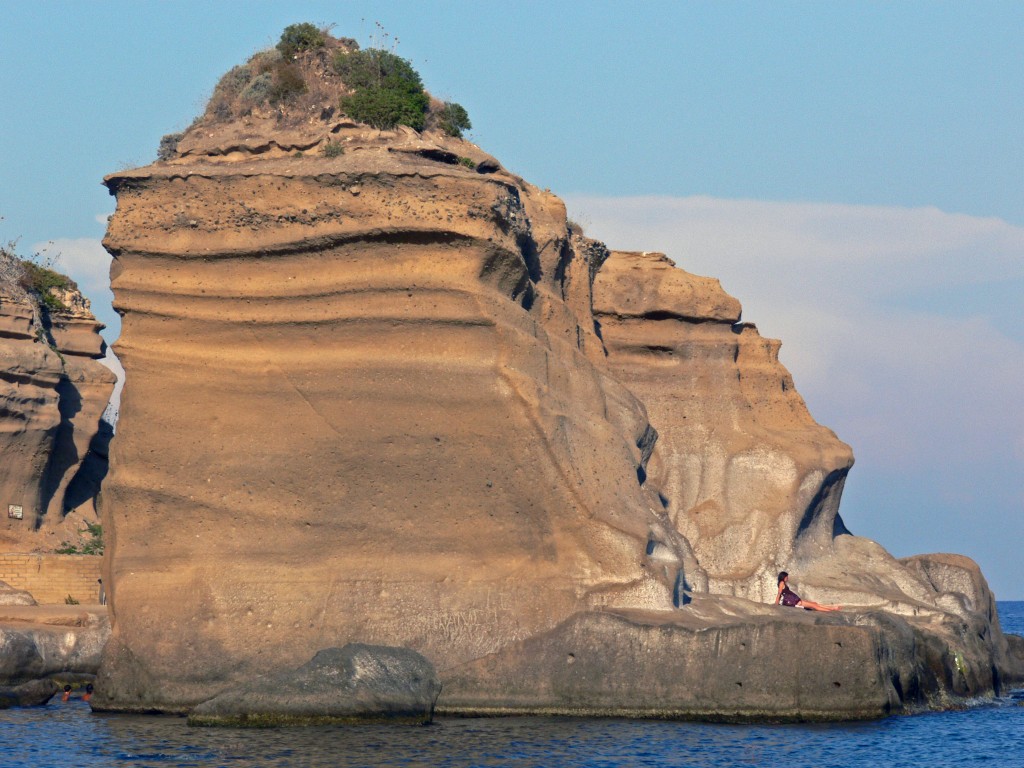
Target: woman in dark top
788, 597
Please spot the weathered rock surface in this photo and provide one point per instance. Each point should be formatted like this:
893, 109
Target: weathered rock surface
52, 394
39, 642
721, 659
363, 378
11, 596
355, 684
379, 397
30, 694
746, 475
751, 480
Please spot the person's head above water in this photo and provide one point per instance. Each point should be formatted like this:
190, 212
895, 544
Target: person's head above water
783, 576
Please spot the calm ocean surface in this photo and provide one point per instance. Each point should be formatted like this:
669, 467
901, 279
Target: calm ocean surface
71, 735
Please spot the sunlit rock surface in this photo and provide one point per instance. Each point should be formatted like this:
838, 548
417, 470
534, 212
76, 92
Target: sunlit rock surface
360, 406
375, 396
53, 391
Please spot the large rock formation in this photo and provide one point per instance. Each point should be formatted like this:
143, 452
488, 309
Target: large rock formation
367, 401
53, 392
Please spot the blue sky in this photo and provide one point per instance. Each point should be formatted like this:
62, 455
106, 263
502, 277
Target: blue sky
852, 172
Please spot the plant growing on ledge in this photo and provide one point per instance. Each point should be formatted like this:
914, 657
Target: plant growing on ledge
332, 149
38, 280
92, 546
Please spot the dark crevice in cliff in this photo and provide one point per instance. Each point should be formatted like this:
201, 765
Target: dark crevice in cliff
597, 332
46, 321
646, 443
679, 591
16, 335
664, 315
528, 297
437, 155
122, 183
317, 244
18, 378
63, 453
528, 249
565, 257
826, 489
88, 479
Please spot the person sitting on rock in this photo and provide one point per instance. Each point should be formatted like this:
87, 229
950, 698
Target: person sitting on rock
786, 596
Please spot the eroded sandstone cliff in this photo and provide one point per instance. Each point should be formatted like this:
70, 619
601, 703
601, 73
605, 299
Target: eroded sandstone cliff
360, 405
53, 392
375, 395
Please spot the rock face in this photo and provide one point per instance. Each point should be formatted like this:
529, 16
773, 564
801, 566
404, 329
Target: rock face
52, 394
720, 659
745, 472
11, 596
375, 395
355, 684
364, 379
31, 694
47, 641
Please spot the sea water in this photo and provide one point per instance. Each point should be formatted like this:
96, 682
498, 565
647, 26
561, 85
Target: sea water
59, 734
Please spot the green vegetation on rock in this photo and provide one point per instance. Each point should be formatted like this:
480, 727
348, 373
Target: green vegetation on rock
332, 149
387, 90
93, 545
35, 276
453, 119
300, 37
39, 280
310, 68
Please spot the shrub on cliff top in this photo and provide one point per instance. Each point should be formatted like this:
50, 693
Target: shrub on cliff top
387, 90
453, 119
309, 68
300, 37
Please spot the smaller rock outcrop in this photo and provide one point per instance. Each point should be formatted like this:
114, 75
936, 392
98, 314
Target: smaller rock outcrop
53, 391
43, 642
31, 694
11, 596
355, 684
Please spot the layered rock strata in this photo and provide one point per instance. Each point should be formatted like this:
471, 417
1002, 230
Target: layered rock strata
53, 392
754, 483
360, 406
376, 396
